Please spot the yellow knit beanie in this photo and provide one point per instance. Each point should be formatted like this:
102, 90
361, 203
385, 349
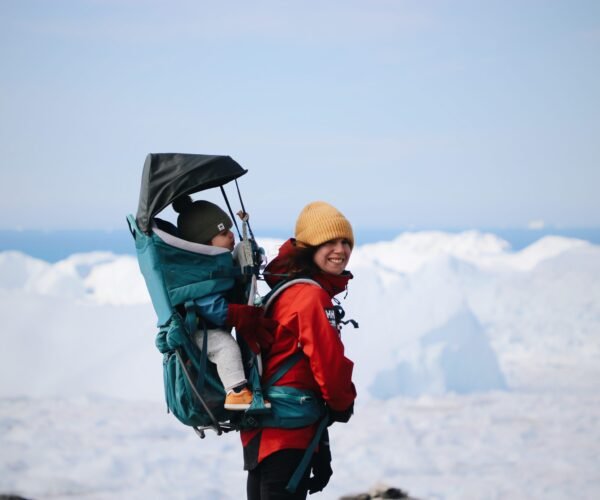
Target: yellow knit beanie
320, 222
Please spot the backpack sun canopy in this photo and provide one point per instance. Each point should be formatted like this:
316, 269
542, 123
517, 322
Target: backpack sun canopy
167, 176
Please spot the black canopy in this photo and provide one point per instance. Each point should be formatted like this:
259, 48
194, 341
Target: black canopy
167, 176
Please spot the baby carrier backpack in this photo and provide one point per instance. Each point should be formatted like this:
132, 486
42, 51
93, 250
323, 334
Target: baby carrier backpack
176, 273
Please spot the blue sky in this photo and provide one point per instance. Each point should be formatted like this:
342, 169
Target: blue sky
404, 114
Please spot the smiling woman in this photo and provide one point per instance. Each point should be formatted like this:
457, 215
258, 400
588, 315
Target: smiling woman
307, 330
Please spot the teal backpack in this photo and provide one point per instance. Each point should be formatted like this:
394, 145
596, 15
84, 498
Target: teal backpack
176, 273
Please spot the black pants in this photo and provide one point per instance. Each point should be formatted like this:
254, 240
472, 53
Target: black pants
267, 481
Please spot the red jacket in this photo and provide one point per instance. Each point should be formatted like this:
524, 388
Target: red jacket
300, 311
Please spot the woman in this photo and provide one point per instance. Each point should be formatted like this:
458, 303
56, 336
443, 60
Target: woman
306, 321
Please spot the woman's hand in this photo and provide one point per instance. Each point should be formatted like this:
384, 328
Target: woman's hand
341, 416
320, 466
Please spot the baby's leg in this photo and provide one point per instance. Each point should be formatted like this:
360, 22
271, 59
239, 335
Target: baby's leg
224, 351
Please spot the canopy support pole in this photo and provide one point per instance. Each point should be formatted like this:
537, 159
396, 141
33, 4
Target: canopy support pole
233, 218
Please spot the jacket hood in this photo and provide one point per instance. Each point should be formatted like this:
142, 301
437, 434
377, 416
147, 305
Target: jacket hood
276, 272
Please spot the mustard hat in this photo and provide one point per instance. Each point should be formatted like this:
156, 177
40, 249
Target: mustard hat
319, 222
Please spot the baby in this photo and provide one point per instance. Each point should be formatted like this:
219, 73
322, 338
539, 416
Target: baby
205, 223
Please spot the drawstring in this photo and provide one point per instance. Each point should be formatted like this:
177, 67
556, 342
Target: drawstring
340, 313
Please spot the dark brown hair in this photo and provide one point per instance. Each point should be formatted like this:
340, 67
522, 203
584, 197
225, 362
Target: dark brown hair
300, 261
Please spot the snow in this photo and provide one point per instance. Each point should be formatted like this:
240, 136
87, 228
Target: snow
16, 270
455, 357
476, 369
490, 445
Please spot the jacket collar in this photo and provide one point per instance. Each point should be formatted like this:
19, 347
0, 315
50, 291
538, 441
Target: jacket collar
333, 283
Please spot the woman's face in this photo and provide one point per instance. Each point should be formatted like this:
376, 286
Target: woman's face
332, 256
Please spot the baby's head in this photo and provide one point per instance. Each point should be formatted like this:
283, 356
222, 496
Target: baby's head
203, 222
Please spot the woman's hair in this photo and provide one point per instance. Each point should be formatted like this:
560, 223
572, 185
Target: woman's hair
300, 262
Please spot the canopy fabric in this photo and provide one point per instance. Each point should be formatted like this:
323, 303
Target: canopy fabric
167, 176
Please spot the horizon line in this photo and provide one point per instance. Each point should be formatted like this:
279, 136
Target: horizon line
415, 227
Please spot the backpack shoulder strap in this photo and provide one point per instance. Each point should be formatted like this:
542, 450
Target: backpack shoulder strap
268, 301
280, 287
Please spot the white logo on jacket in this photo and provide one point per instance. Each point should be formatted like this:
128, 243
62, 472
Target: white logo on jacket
330, 313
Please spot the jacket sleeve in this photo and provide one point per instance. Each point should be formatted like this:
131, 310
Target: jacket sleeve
320, 340
213, 308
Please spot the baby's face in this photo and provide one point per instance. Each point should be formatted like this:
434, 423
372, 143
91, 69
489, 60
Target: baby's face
225, 239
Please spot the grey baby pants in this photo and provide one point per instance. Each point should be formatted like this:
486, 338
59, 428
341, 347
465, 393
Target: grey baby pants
224, 352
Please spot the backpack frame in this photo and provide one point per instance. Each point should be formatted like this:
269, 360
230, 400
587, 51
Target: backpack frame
176, 273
